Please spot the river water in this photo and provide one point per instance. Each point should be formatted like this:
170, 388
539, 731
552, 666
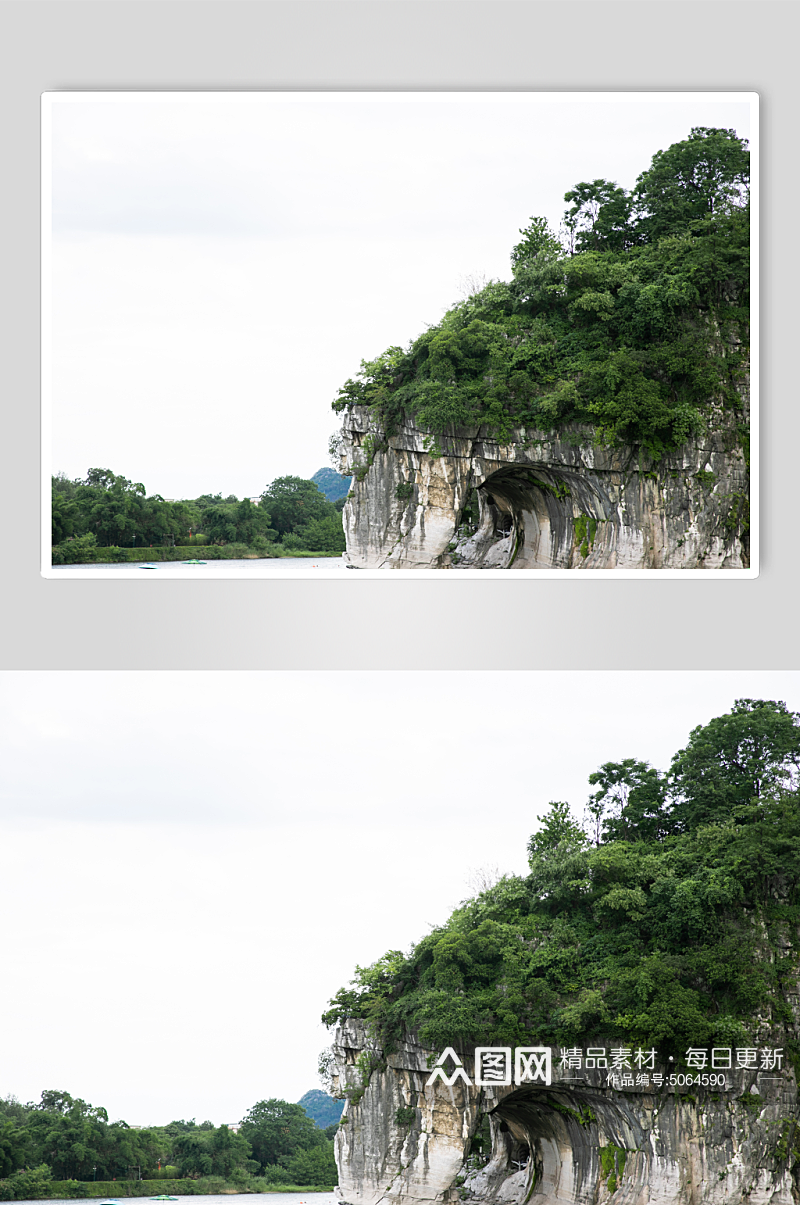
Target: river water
323, 566
250, 1198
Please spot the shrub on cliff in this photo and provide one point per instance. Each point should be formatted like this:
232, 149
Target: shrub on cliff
637, 326
669, 917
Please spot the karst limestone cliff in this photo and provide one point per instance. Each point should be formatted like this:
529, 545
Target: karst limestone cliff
541, 500
576, 1140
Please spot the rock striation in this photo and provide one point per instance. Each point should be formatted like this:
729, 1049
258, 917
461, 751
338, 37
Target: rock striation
576, 1140
542, 500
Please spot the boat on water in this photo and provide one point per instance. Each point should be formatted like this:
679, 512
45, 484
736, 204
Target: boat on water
163, 1198
187, 563
148, 566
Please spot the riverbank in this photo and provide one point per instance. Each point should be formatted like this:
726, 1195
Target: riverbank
308, 566
63, 554
72, 1190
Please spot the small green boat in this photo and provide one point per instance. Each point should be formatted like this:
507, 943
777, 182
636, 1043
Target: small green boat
163, 1198
183, 563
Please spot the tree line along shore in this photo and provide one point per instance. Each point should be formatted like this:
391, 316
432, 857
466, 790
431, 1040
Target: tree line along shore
105, 517
64, 1147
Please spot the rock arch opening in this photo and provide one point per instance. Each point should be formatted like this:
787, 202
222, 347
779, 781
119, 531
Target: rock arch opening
627, 512
529, 517
554, 1145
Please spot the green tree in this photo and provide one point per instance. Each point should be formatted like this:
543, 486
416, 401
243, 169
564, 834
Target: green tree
557, 855
293, 502
70, 1135
235, 522
276, 1129
103, 479
230, 1152
32, 1184
12, 1109
315, 1166
558, 832
323, 535
599, 218
116, 512
13, 1147
630, 803
252, 521
111, 507
706, 175
65, 514
752, 753
192, 1154
83, 550
219, 524
208, 1150
537, 243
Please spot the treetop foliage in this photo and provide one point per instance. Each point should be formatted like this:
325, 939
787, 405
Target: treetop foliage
633, 322
667, 917
707, 175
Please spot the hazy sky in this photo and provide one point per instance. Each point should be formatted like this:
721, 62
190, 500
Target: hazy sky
222, 264
192, 863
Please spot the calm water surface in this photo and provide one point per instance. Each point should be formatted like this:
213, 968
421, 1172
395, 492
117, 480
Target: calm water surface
279, 567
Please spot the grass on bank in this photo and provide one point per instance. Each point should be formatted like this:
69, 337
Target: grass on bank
76, 552
36, 1185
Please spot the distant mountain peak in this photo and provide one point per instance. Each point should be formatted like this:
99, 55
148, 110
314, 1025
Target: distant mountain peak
320, 1107
331, 483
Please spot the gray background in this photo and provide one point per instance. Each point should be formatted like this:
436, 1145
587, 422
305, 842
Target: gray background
400, 622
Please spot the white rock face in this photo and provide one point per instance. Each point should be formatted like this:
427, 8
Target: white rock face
541, 501
549, 1143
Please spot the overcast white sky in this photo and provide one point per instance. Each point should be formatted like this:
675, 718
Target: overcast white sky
192, 863
222, 264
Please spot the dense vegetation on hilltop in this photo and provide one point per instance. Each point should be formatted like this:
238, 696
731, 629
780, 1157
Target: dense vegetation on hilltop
66, 1138
105, 511
669, 917
634, 321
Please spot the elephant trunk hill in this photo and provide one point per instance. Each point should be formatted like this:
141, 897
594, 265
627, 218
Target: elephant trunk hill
621, 1022
593, 412
569, 1142
541, 501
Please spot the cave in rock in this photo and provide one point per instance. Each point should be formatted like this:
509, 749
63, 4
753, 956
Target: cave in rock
524, 517
551, 1145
